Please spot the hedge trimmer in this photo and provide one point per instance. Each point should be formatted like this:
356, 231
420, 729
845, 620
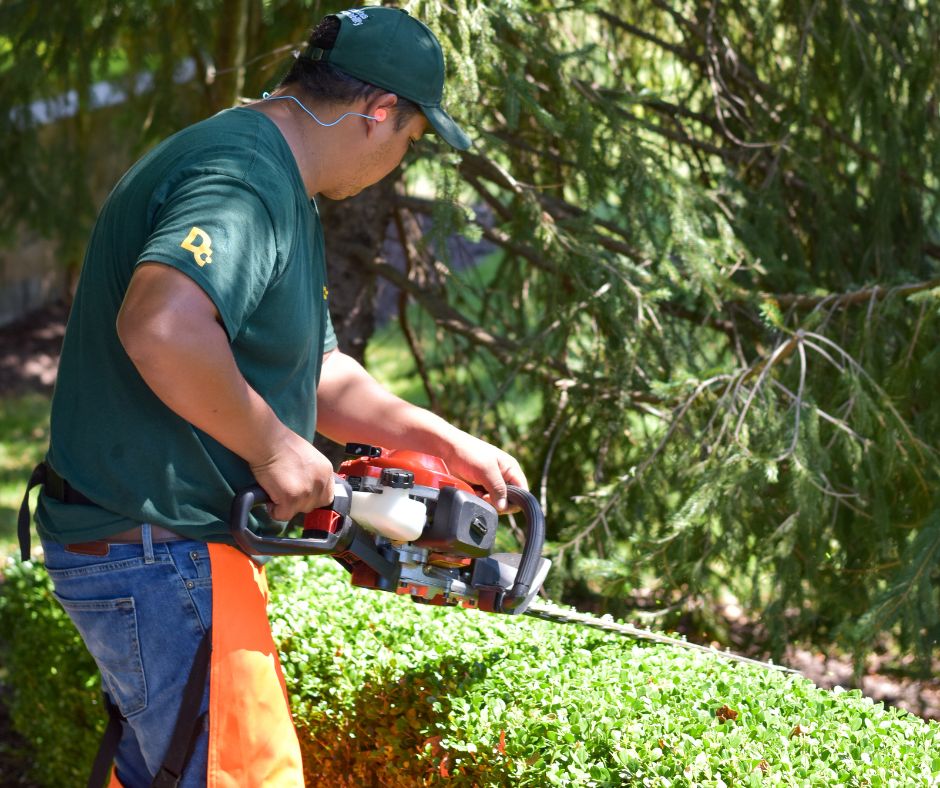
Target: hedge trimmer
401, 522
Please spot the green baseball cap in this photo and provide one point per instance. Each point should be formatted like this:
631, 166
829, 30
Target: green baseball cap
390, 49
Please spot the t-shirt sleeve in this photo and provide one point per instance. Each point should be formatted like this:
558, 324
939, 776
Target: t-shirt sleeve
329, 336
217, 231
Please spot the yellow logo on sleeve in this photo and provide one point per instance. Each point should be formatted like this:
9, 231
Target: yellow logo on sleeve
202, 251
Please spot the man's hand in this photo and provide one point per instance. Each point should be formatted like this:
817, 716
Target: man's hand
480, 463
297, 477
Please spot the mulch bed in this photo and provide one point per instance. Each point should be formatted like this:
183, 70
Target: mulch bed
29, 351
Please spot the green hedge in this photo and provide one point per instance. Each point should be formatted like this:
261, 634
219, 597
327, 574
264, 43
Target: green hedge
394, 694
53, 685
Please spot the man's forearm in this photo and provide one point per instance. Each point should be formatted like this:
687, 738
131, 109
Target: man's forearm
353, 407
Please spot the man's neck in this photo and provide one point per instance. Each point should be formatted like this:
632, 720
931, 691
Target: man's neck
311, 146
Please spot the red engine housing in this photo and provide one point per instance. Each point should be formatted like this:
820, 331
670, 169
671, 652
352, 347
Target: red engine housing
429, 471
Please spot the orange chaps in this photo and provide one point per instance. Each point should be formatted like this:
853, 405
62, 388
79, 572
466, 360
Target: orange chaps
252, 741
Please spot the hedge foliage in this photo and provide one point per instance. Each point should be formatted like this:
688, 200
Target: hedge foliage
394, 694
54, 697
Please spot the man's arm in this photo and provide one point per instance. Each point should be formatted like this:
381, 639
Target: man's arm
353, 407
172, 333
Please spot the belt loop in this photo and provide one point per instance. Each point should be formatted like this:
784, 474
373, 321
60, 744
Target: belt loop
146, 539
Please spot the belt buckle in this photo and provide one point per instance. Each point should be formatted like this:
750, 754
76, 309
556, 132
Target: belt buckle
98, 548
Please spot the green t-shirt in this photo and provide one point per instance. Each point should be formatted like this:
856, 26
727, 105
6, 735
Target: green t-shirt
224, 203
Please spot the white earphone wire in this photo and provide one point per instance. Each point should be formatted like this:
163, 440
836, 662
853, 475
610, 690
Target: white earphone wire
268, 97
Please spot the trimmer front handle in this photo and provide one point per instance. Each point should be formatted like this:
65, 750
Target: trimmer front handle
534, 542
507, 582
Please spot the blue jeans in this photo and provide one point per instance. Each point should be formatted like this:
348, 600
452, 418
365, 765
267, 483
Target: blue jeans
142, 611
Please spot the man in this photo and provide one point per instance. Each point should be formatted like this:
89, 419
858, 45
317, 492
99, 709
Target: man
199, 357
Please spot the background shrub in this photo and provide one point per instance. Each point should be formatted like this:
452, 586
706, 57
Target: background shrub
54, 697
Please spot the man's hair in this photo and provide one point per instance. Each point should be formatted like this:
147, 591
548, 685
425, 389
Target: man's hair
322, 81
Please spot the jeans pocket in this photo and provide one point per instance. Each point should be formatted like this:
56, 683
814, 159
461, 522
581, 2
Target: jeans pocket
109, 629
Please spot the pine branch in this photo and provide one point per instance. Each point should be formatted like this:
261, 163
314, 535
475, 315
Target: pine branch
475, 166
919, 563
799, 301
744, 79
683, 53
509, 352
513, 139
498, 237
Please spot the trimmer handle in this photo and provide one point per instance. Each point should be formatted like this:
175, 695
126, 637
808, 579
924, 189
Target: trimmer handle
531, 553
255, 544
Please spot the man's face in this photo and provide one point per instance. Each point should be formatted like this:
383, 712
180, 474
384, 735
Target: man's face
383, 151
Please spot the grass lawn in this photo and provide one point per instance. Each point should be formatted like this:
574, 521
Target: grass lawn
24, 436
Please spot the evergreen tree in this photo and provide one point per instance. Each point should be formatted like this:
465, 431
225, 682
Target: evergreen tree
718, 282
710, 321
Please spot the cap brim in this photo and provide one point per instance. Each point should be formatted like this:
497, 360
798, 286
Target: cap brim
444, 125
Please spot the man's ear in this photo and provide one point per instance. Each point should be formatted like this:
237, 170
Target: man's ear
380, 108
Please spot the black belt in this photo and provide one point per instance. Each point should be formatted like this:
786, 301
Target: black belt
59, 489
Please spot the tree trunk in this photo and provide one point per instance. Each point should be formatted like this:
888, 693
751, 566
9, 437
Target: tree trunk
231, 45
355, 232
